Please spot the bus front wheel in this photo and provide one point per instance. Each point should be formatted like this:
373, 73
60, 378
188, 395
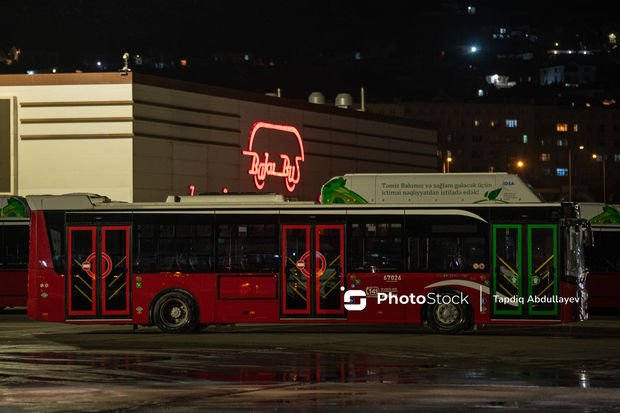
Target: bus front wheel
449, 314
175, 312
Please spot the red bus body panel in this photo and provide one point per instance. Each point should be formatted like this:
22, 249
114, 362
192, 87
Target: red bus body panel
13, 291
46, 288
603, 290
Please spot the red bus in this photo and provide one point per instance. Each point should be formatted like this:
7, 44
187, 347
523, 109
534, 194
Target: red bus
14, 229
195, 261
603, 257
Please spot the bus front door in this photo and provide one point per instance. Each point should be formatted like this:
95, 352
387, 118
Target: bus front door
312, 271
524, 271
98, 272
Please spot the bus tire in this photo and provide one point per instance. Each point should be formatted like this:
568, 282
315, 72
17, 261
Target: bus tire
176, 312
449, 318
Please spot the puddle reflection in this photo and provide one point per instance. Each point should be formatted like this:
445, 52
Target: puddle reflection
287, 367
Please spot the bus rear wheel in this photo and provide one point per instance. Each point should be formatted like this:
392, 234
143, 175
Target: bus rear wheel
175, 312
449, 315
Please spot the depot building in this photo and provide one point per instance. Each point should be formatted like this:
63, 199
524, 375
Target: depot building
135, 137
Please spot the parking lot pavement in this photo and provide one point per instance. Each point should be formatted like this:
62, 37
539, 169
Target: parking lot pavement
59, 367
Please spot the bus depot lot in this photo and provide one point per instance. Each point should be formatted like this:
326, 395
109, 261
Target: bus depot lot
65, 368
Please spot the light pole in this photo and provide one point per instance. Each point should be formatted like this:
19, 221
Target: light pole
570, 171
570, 174
603, 159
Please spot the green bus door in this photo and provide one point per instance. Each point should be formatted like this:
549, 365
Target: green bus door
525, 271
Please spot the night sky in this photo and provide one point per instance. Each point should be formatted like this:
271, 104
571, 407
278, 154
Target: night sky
301, 41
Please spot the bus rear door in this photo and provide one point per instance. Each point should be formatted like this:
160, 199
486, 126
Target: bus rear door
98, 272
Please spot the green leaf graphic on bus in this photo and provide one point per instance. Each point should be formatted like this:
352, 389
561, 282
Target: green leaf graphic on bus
14, 208
610, 215
491, 196
335, 192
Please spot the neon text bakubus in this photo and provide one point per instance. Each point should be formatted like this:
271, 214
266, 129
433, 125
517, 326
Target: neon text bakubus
14, 221
196, 261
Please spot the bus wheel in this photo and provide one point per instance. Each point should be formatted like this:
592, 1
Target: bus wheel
175, 312
448, 315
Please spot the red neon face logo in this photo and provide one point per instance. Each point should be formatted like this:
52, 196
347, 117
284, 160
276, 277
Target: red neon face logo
285, 168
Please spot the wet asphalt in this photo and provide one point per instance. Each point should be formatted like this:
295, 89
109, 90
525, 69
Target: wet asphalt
50, 367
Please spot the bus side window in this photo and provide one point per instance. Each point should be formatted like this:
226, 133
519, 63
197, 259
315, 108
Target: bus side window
176, 245
246, 247
376, 246
446, 244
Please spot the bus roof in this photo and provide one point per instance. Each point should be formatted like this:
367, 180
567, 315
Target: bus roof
91, 202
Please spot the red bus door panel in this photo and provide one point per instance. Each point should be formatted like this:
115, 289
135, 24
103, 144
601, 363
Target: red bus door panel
115, 271
329, 267
81, 277
296, 269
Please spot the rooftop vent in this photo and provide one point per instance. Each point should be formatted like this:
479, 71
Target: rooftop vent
343, 100
316, 97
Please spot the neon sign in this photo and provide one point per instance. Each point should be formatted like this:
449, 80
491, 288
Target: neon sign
262, 166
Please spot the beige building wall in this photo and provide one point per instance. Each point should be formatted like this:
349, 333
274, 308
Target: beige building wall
72, 137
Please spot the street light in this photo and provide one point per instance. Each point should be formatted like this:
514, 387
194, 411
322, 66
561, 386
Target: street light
570, 171
447, 162
602, 158
520, 164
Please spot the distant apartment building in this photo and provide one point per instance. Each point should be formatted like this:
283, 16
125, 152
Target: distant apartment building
563, 152
569, 75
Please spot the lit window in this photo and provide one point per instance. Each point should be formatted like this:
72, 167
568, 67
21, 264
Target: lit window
492, 124
561, 171
575, 127
545, 157
561, 127
617, 157
476, 123
511, 123
562, 142
524, 137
